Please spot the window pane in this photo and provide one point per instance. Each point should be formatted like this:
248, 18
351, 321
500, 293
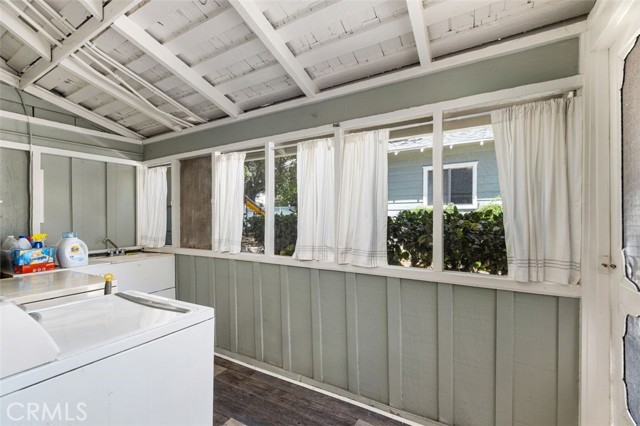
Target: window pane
286, 212
460, 185
410, 217
254, 201
168, 237
472, 226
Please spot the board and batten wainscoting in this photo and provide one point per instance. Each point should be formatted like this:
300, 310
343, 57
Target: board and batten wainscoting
427, 351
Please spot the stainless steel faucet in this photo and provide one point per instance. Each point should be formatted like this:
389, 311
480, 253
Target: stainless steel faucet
118, 250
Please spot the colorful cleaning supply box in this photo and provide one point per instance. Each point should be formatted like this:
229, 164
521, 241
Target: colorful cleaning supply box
33, 260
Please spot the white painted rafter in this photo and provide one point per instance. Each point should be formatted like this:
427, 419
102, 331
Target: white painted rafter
420, 33
254, 18
92, 76
93, 6
80, 111
130, 30
85, 33
36, 41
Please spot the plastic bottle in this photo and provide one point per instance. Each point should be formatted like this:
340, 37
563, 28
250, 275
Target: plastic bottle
10, 243
23, 243
71, 251
38, 240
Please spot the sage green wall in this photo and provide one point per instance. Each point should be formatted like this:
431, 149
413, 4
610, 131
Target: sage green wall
536, 65
14, 131
14, 193
456, 354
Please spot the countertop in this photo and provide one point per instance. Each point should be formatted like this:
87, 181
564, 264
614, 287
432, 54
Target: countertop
37, 286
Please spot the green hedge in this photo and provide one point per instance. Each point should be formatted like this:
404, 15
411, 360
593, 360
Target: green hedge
286, 232
473, 241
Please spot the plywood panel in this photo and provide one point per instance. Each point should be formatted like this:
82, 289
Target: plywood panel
57, 196
14, 193
420, 348
121, 204
89, 201
271, 314
245, 309
333, 317
535, 365
195, 203
222, 298
474, 356
300, 320
373, 367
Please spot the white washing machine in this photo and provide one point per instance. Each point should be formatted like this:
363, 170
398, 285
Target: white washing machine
123, 359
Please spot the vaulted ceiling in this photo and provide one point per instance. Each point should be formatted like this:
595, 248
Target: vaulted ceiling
145, 68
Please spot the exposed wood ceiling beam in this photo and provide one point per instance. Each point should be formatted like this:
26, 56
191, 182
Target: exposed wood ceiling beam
80, 111
252, 78
87, 73
8, 77
253, 17
93, 6
76, 40
130, 30
24, 32
420, 33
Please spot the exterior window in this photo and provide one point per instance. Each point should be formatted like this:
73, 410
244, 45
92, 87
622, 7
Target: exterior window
459, 185
286, 201
254, 203
168, 238
409, 219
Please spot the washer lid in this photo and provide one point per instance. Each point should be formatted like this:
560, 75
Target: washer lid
81, 326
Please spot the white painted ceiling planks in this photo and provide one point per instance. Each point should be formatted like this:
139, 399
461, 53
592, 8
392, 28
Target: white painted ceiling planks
142, 68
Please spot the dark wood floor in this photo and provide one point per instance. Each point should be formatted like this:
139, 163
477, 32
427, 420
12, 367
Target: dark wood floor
243, 396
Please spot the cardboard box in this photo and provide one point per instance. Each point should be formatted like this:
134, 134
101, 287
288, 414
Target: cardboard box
34, 260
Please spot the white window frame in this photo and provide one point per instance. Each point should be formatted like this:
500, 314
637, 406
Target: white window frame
452, 166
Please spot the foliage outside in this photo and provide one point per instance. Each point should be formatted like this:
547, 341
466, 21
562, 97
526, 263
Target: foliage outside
473, 241
286, 195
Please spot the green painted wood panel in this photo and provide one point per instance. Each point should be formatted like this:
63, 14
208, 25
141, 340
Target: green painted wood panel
89, 201
535, 374
333, 318
57, 196
271, 314
460, 355
121, 204
419, 302
373, 368
245, 309
300, 321
14, 193
474, 356
222, 290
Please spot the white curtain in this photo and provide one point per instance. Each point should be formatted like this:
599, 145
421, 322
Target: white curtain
153, 222
362, 209
315, 173
539, 154
229, 202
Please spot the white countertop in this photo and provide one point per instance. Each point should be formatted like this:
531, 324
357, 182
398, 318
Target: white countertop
38, 286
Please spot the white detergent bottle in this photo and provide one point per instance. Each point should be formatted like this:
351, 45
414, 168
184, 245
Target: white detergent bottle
71, 251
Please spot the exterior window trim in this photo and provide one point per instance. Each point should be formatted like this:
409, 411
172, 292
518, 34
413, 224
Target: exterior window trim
451, 166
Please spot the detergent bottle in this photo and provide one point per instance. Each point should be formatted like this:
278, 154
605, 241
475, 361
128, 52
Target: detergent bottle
38, 240
23, 243
71, 251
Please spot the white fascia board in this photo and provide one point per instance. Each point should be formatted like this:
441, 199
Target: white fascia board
420, 33
24, 32
85, 33
512, 46
94, 7
66, 127
132, 32
80, 111
253, 17
93, 77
